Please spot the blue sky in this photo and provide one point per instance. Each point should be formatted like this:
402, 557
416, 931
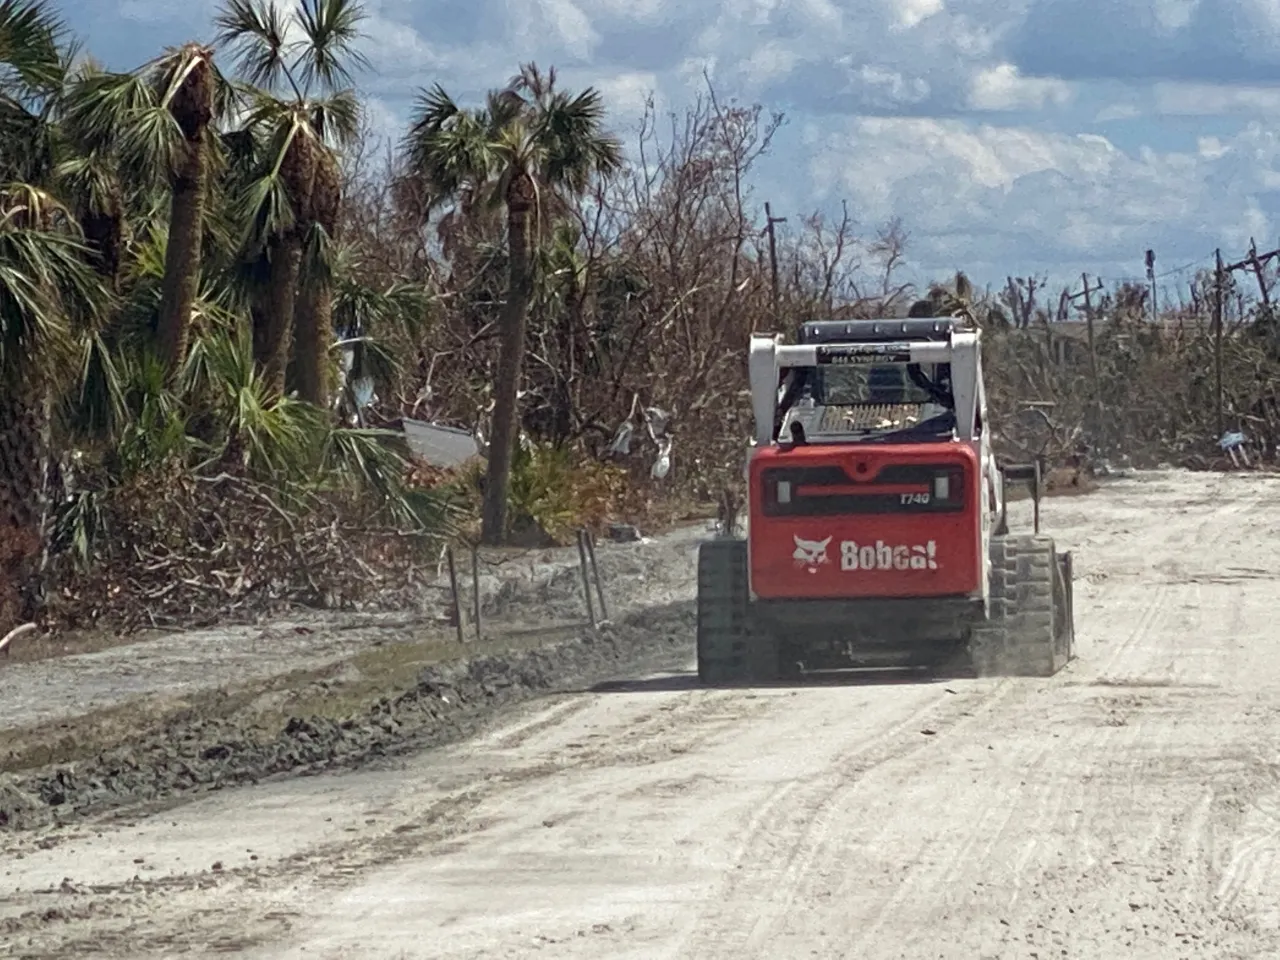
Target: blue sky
1011, 136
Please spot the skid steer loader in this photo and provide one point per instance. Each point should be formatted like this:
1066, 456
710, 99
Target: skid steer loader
877, 532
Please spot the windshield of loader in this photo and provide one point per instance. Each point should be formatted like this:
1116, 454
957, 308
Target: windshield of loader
883, 383
880, 401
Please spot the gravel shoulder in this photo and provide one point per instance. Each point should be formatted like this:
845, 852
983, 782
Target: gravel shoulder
1127, 807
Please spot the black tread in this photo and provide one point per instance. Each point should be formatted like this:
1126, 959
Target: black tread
1028, 632
731, 649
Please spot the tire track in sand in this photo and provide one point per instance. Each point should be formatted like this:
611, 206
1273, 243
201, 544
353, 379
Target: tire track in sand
780, 840
956, 867
813, 827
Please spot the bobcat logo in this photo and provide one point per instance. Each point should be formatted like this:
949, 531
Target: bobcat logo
810, 554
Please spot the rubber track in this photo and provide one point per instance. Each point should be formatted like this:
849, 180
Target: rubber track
1021, 637
729, 650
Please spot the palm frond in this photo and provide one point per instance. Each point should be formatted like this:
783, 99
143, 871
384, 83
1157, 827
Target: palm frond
365, 455
26, 205
170, 72
31, 41
47, 290
256, 33
265, 210
503, 107
570, 130
264, 206
447, 149
336, 118
368, 459
532, 81
89, 178
317, 256
97, 408
332, 31
272, 436
120, 111
155, 431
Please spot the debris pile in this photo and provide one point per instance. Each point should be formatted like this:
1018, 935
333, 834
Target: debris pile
188, 550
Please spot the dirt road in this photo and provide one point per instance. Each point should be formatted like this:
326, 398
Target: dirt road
1129, 807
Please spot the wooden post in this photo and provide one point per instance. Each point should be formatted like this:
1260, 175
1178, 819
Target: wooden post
586, 578
1037, 479
1217, 338
595, 572
475, 589
457, 597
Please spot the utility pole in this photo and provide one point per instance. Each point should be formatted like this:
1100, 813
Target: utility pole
771, 220
1256, 263
1151, 279
1093, 352
1218, 274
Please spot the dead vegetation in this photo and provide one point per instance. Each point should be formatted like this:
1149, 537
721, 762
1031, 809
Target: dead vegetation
1144, 393
191, 550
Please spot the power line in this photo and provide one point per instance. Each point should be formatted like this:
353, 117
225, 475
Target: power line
1135, 278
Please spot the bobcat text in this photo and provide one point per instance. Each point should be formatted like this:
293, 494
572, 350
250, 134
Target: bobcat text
883, 556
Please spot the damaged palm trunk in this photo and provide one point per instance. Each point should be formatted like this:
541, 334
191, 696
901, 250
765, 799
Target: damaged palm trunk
506, 413
24, 444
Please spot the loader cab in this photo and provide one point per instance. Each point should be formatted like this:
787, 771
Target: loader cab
876, 399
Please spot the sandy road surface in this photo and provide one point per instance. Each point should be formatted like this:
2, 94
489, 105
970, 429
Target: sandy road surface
1129, 807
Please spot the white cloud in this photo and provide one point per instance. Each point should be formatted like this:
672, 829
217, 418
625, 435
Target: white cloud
889, 88
911, 13
1172, 15
396, 49
151, 10
823, 14
627, 94
771, 61
636, 11
1117, 111
386, 125
1003, 87
1251, 224
1211, 148
975, 192
572, 26
1201, 99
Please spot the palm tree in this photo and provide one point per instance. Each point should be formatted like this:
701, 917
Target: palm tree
531, 149
160, 120
31, 74
47, 289
299, 112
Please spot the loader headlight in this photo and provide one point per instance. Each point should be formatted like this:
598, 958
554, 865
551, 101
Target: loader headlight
784, 491
942, 487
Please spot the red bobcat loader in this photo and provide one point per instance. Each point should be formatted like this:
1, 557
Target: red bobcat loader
877, 533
